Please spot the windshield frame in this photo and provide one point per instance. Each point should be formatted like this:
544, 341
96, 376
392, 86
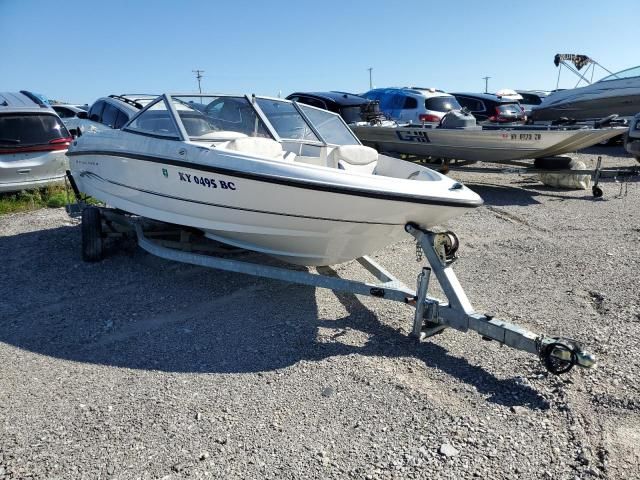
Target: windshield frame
344, 124
321, 141
183, 135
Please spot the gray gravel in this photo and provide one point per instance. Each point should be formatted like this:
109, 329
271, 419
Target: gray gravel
136, 367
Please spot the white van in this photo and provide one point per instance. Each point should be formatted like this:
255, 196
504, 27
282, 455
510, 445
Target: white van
33, 142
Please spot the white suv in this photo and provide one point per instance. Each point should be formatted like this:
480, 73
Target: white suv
114, 111
33, 142
413, 104
71, 115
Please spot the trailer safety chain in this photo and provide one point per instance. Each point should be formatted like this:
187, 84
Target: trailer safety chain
559, 355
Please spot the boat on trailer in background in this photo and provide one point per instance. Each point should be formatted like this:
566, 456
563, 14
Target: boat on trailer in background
457, 135
616, 94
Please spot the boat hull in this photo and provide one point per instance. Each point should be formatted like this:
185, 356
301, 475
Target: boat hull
300, 225
595, 101
481, 145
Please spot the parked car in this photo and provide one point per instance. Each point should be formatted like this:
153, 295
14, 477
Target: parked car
531, 98
632, 138
490, 108
114, 111
348, 105
413, 104
71, 115
33, 142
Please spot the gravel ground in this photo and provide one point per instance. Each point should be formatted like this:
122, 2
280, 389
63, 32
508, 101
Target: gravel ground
136, 367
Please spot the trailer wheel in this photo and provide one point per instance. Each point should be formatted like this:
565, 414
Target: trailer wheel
92, 243
597, 191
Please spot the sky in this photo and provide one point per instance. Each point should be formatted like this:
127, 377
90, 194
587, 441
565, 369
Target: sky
80, 50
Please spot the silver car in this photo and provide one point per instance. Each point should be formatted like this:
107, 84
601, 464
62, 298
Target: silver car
71, 115
33, 142
413, 104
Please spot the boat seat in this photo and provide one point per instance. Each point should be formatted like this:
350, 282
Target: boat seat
263, 147
354, 158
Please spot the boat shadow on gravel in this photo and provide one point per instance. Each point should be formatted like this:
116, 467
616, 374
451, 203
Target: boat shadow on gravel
136, 311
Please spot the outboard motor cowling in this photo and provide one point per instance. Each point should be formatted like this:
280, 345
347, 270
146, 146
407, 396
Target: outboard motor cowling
458, 119
370, 112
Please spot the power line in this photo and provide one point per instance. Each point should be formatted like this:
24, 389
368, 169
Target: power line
199, 76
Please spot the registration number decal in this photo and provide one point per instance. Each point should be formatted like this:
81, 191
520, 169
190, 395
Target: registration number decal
206, 182
523, 136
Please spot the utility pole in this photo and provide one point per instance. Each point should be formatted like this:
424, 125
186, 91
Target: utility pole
199, 77
370, 77
486, 84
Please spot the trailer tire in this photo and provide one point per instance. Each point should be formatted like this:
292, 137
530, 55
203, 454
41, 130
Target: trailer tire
597, 191
552, 163
92, 241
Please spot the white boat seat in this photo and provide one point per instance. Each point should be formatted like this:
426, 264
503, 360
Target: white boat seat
354, 158
263, 147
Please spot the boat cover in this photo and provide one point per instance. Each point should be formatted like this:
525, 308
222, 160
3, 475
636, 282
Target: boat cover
573, 181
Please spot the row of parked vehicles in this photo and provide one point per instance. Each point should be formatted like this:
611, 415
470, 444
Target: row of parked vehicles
34, 135
426, 105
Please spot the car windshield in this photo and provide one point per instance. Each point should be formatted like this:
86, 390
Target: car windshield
509, 109
207, 117
442, 104
628, 73
329, 126
530, 99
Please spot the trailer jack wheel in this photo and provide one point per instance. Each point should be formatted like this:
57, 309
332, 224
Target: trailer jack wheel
597, 191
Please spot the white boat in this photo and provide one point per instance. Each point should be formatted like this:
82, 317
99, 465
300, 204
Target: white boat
475, 143
265, 174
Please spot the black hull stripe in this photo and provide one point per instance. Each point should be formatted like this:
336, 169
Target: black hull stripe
266, 212
398, 197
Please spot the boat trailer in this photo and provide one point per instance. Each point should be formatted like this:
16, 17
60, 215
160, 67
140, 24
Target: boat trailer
432, 316
618, 174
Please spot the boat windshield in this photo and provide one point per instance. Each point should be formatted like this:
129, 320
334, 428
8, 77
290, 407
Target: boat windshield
210, 117
628, 73
329, 126
286, 120
220, 117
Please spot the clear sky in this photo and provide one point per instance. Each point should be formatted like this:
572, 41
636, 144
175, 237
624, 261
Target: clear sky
79, 50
